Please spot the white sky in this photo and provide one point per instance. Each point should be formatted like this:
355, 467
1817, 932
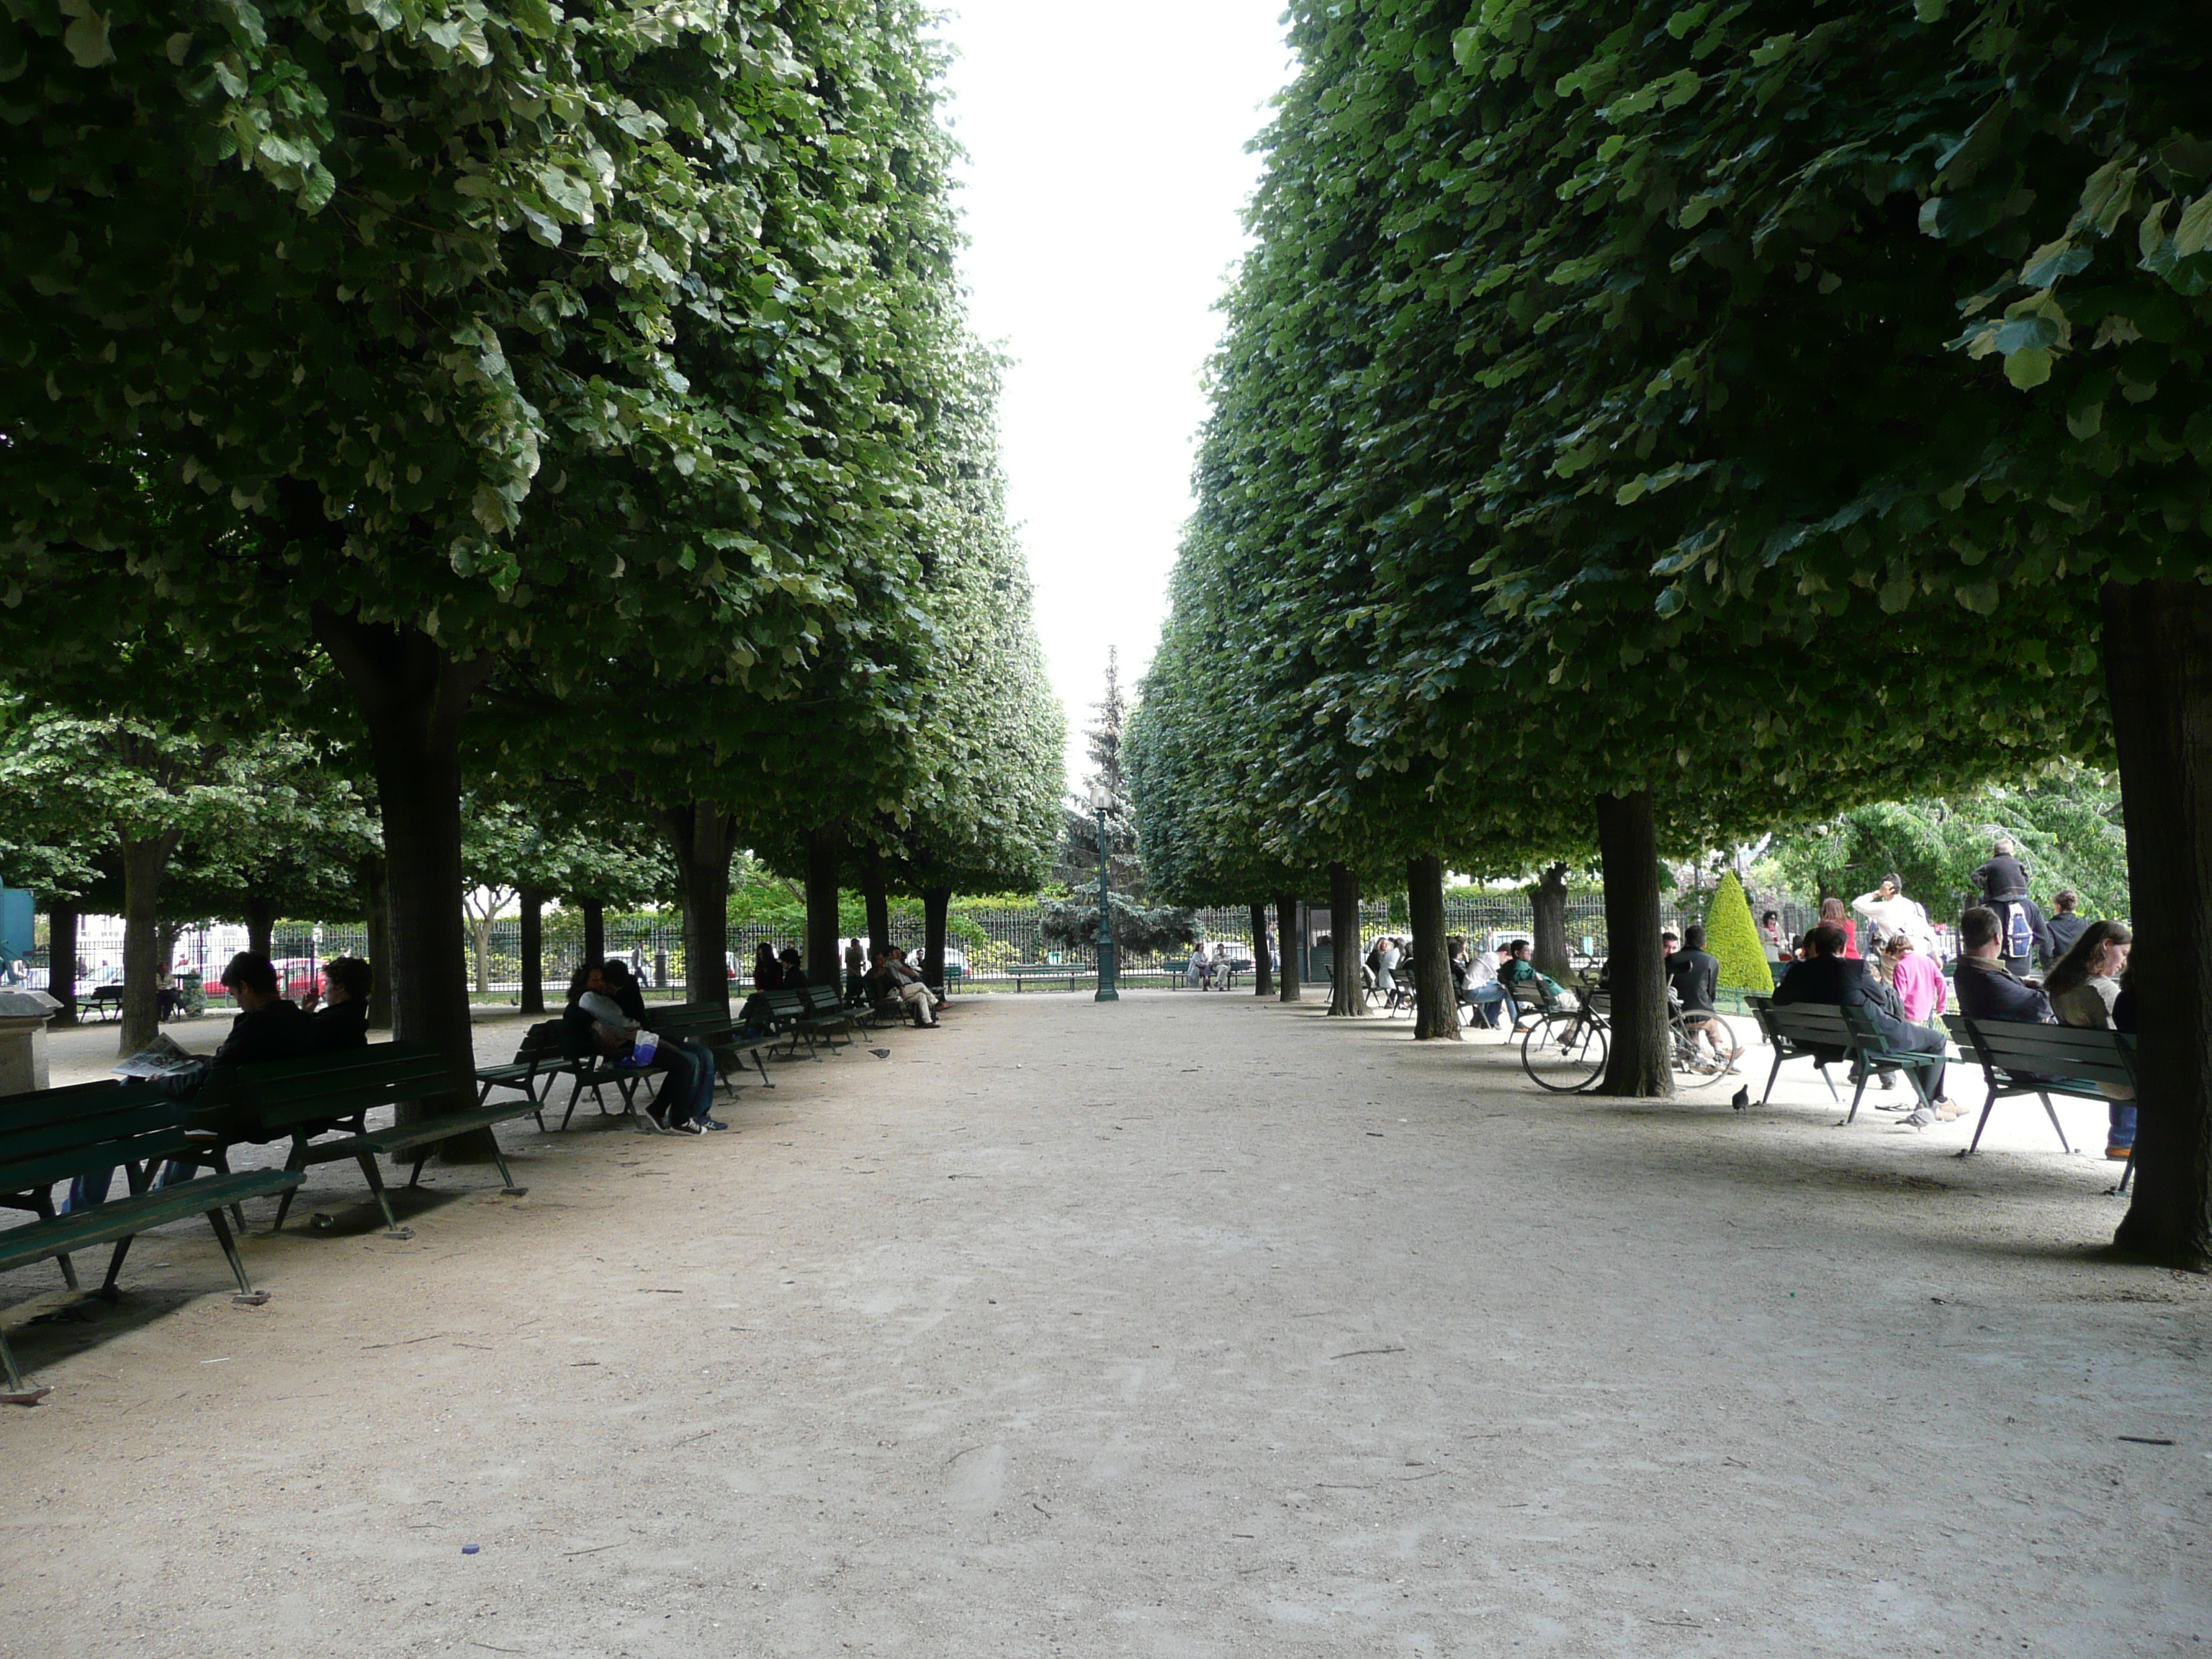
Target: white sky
1105, 178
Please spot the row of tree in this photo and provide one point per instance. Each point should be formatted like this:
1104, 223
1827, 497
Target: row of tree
1640, 425
561, 422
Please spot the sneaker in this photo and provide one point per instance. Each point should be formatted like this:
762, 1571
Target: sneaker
650, 1122
710, 1123
689, 1127
1946, 1111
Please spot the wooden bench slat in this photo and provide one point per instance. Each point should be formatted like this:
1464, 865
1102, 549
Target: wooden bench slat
402, 1137
120, 1218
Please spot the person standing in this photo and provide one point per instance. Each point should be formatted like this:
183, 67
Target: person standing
1775, 947
1890, 912
856, 970
2066, 922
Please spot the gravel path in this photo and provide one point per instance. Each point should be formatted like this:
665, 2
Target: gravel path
1193, 1325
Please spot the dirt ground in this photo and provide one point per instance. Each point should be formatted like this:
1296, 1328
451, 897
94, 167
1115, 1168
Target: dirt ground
1192, 1326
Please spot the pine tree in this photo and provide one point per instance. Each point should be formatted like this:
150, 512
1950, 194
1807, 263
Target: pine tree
1732, 936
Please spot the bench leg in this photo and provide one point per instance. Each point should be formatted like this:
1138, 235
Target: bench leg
1770, 1076
114, 1266
2126, 1175
20, 1392
230, 1254
392, 1229
1858, 1094
573, 1093
2052, 1112
43, 1205
1988, 1106
297, 1161
505, 1174
763, 1065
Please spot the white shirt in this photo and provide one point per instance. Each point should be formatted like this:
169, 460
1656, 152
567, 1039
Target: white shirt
1897, 914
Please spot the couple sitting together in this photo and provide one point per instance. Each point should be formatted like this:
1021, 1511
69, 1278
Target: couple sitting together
605, 1016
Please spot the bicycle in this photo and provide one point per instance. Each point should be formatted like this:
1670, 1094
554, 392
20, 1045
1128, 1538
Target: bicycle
1702, 1047
1565, 1050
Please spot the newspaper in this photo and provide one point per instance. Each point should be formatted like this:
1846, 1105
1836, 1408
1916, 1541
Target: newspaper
162, 1057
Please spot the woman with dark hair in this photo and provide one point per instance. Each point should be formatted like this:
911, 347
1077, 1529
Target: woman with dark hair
597, 1023
1832, 915
767, 975
2082, 988
693, 1092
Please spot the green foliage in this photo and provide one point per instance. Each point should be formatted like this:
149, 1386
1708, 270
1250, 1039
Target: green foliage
1072, 923
1733, 937
2067, 826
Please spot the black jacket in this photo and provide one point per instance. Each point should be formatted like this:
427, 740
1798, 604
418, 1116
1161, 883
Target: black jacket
2002, 877
1987, 990
2065, 927
339, 1026
276, 1031
1695, 975
1839, 981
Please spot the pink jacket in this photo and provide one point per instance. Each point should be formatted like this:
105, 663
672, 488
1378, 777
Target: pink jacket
1920, 987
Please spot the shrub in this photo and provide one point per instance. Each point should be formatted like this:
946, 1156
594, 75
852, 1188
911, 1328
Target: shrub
1733, 937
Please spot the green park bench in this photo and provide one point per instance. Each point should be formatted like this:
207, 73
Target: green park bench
318, 1095
1787, 1048
539, 1060
104, 1002
711, 1022
2020, 1059
1848, 1034
56, 1134
801, 1014
1062, 972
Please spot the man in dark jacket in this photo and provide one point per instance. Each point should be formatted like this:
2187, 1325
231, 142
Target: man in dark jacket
1827, 978
1694, 973
268, 1026
342, 1020
1988, 988
2066, 922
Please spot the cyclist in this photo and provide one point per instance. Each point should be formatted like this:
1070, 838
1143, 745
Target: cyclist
1693, 974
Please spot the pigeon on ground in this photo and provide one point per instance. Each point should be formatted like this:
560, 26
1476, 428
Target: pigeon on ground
881, 1053
1742, 1100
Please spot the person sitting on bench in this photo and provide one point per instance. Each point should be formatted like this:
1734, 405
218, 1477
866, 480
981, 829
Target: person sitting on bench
1828, 978
342, 1022
699, 1095
601, 1025
268, 1026
910, 988
790, 975
1987, 989
2084, 989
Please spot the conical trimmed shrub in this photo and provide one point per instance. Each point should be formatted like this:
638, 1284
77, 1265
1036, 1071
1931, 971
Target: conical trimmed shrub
1732, 936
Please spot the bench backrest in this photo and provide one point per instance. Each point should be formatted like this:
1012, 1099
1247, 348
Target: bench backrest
786, 1004
822, 999
541, 1041
55, 1133
687, 1020
280, 1094
1818, 1025
2071, 1052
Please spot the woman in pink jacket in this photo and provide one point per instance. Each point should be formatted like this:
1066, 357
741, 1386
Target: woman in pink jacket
1917, 979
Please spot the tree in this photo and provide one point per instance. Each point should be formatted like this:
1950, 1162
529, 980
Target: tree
521, 341
137, 790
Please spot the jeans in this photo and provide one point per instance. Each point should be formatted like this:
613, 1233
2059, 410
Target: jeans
1485, 999
2123, 1130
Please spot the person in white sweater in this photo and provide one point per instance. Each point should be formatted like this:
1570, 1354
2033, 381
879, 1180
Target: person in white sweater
1890, 912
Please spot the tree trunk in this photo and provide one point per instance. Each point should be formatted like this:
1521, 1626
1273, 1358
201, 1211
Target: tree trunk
2158, 675
874, 893
1263, 976
1435, 1012
595, 930
412, 696
1637, 1066
936, 903
61, 959
532, 949
701, 838
379, 942
480, 949
145, 859
1289, 940
261, 927
1548, 949
825, 847
1346, 996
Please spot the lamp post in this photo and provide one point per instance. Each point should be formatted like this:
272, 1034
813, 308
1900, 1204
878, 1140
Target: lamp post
1101, 798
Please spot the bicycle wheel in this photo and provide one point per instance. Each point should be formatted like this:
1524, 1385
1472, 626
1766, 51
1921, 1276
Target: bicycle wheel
1702, 1049
1565, 1052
